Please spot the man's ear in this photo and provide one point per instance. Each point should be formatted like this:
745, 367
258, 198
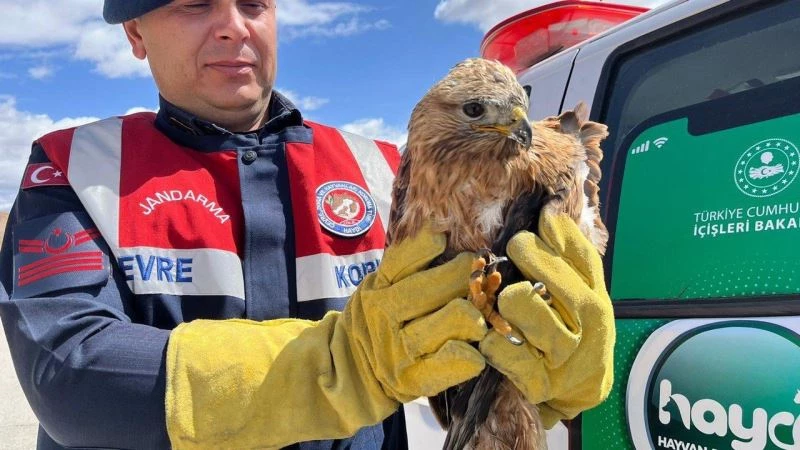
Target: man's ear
135, 38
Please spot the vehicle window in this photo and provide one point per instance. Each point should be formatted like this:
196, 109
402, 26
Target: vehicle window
728, 56
702, 191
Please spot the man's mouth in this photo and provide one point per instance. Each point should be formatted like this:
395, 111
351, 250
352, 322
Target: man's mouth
232, 67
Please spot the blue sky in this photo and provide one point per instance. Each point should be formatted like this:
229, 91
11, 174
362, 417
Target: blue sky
359, 65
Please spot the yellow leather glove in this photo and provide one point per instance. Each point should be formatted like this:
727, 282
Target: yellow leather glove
566, 362
404, 334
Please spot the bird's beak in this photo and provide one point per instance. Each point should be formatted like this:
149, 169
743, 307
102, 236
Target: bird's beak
521, 130
518, 130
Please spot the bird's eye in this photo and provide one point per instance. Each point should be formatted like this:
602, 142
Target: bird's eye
474, 110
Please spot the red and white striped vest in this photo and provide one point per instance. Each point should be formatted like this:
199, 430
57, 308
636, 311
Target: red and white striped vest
150, 196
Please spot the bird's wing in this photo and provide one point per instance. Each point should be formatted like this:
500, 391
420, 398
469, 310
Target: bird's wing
582, 194
399, 188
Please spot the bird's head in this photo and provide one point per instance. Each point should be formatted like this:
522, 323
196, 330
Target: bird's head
478, 107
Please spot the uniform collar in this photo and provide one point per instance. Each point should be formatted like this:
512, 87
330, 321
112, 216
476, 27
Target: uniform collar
189, 130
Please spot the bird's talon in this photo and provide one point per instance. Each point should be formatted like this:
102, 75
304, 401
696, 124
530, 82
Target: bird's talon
540, 289
493, 281
514, 339
484, 283
494, 261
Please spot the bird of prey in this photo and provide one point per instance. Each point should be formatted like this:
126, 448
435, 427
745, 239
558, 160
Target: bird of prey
477, 170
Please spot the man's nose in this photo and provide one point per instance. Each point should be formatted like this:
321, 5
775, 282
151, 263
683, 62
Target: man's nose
231, 23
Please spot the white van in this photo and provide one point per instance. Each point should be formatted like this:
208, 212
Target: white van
701, 196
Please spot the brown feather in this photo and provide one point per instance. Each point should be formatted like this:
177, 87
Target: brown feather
513, 425
462, 175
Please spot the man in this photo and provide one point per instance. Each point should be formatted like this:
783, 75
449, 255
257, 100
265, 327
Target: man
227, 205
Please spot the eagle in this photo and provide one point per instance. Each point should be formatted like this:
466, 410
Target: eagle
476, 169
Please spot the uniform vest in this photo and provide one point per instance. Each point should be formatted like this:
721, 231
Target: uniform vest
172, 215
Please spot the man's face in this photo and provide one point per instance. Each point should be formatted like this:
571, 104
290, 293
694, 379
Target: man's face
215, 58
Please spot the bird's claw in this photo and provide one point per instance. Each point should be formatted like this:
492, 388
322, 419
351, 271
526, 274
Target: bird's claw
483, 285
514, 339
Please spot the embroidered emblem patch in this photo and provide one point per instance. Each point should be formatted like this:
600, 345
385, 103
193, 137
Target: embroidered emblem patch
345, 208
56, 252
43, 174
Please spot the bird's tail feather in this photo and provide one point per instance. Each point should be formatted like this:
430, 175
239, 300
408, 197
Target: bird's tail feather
474, 403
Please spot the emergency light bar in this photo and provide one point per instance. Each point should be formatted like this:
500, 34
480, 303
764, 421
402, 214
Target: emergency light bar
529, 37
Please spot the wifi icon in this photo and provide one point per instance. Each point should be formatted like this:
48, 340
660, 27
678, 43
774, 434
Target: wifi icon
660, 141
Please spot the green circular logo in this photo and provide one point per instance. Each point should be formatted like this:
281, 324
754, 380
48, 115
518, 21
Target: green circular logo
766, 168
720, 385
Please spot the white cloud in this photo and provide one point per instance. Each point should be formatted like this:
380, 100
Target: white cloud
68, 28
43, 23
40, 72
486, 14
308, 103
30, 55
108, 48
375, 128
302, 13
302, 18
17, 130
340, 29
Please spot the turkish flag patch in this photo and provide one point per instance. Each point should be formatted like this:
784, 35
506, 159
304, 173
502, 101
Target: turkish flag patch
57, 252
43, 174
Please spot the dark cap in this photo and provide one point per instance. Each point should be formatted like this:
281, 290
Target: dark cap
118, 11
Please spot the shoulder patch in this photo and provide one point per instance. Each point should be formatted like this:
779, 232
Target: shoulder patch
43, 174
57, 252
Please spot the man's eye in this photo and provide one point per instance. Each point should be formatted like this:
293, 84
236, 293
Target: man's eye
196, 6
474, 110
255, 6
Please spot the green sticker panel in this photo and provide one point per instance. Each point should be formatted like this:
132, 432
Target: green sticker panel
710, 216
605, 427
